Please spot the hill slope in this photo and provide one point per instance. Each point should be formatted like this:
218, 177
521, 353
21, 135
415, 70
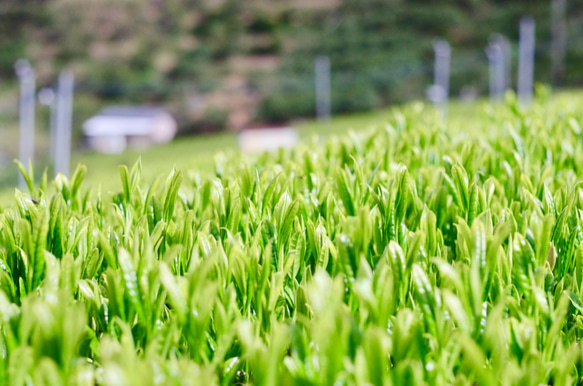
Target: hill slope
224, 63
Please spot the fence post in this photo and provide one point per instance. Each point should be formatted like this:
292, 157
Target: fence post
46, 97
507, 51
63, 123
322, 70
497, 67
27, 78
559, 39
439, 93
526, 59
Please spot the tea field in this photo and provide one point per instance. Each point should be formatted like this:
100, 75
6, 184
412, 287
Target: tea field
420, 251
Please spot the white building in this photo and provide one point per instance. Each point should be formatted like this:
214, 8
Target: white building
262, 139
115, 128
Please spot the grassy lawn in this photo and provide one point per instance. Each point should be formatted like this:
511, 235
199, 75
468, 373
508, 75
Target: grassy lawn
192, 152
197, 152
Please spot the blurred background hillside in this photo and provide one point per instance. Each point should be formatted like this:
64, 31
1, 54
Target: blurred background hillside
226, 64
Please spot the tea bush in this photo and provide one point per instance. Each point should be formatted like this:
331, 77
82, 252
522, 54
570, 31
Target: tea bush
413, 253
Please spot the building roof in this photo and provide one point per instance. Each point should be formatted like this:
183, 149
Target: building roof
123, 120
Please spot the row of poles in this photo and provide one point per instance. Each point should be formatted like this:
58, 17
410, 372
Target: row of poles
498, 52
60, 102
61, 99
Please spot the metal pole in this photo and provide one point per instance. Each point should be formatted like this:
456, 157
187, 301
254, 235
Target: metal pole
46, 97
526, 59
559, 39
495, 53
63, 123
442, 51
323, 92
507, 51
507, 62
27, 78
53, 129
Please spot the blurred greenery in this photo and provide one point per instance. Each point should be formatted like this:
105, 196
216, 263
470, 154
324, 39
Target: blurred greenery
215, 120
197, 153
159, 52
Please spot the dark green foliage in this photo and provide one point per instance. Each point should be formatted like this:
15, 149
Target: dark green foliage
380, 50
